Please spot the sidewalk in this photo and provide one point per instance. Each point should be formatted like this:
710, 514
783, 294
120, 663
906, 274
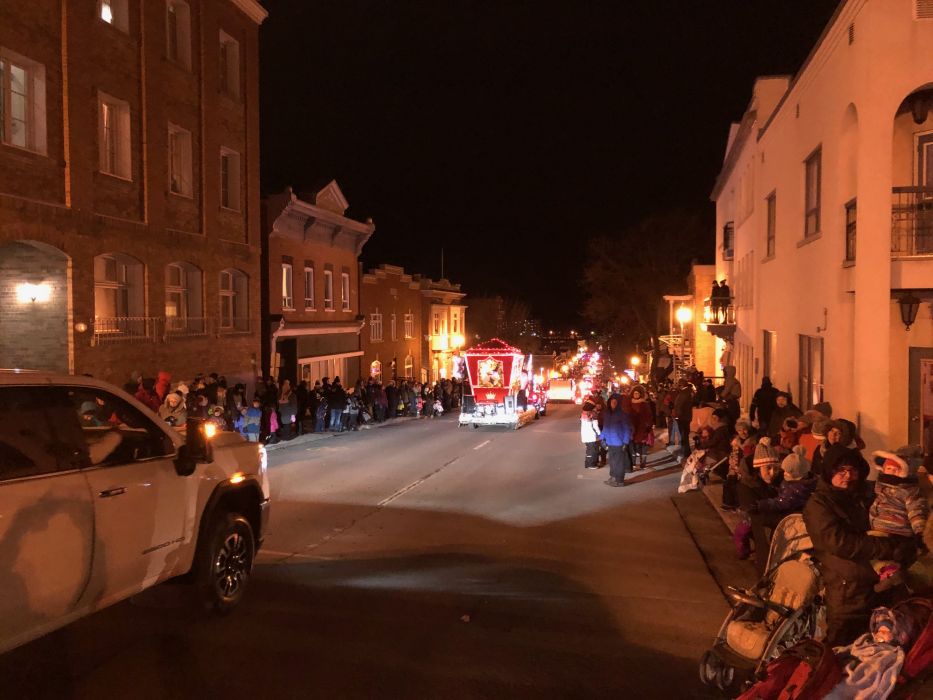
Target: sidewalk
308, 438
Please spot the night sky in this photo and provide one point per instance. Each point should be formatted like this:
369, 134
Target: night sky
509, 132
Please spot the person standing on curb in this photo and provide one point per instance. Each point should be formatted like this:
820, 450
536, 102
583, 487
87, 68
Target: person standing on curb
617, 433
589, 434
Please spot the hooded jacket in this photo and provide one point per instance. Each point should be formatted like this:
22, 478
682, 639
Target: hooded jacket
731, 387
778, 416
642, 418
617, 424
763, 403
899, 508
837, 522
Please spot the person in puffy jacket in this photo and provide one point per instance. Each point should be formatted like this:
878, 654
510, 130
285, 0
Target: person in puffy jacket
617, 434
147, 396
642, 425
837, 521
173, 410
589, 434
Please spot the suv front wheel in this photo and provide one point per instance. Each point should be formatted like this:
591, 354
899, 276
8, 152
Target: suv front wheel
225, 561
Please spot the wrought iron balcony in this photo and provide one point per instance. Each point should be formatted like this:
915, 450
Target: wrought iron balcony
912, 221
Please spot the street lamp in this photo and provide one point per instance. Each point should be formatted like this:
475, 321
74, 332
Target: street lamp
683, 315
636, 360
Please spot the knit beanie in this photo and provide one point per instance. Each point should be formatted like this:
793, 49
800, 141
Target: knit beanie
819, 427
765, 454
796, 465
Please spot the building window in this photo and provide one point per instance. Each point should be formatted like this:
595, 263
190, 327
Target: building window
409, 325
728, 241
345, 291
183, 298
812, 208
436, 323
392, 328
229, 65
118, 294
851, 215
178, 32
454, 320
811, 371
309, 288
229, 179
375, 327
328, 290
768, 353
22, 102
233, 301
772, 224
113, 135
114, 13
179, 161
288, 301
409, 367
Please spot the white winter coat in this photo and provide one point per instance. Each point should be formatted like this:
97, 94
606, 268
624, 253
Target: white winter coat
589, 430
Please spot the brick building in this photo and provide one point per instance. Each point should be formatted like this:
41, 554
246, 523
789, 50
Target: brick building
129, 186
311, 303
392, 309
417, 323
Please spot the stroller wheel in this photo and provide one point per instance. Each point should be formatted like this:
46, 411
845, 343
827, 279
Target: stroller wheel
710, 668
725, 678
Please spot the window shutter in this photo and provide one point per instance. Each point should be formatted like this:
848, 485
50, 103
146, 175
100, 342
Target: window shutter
924, 9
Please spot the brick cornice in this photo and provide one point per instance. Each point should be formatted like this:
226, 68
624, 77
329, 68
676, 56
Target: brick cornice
252, 9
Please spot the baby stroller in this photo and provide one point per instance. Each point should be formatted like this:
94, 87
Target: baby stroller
783, 608
696, 472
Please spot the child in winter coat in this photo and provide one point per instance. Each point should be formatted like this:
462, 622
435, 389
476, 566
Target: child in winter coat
252, 420
589, 434
790, 435
898, 509
742, 448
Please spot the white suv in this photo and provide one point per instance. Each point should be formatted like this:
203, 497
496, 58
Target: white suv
99, 499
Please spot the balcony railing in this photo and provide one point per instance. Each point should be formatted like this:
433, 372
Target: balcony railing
158, 329
912, 221
719, 311
127, 329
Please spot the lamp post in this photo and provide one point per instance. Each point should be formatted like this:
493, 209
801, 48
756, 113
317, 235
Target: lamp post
683, 315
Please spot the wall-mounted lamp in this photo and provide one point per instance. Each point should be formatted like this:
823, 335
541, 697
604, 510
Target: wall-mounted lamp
909, 305
80, 327
28, 292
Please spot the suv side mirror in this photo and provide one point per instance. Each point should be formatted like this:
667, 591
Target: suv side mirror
184, 463
197, 442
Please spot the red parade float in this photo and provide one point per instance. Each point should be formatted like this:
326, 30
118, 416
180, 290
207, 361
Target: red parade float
494, 374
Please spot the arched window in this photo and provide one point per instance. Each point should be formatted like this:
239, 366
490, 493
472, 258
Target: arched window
234, 301
409, 367
375, 370
184, 311
119, 298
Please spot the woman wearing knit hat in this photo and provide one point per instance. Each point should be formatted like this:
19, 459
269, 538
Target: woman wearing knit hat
762, 484
794, 490
837, 521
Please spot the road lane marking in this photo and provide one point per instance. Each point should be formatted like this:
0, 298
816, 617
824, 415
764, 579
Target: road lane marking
482, 444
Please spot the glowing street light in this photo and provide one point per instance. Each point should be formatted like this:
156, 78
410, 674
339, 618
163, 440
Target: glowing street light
683, 315
636, 360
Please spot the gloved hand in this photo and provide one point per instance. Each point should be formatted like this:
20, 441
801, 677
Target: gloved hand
921, 545
905, 550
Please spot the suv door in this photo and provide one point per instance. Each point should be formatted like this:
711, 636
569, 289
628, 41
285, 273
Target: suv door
140, 501
46, 517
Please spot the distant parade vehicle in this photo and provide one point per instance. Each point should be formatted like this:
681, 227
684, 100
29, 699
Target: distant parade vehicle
500, 387
561, 390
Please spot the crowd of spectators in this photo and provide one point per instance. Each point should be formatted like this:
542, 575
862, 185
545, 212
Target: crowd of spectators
280, 411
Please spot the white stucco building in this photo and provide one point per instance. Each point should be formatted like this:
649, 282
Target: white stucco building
824, 212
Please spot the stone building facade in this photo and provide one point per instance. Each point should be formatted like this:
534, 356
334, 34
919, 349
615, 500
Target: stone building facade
129, 187
824, 227
311, 286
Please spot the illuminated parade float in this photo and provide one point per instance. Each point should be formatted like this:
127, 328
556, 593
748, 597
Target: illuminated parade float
499, 388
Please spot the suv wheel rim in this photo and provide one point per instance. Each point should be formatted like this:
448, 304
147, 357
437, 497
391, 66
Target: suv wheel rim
231, 566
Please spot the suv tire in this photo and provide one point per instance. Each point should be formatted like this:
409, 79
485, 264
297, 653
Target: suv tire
225, 562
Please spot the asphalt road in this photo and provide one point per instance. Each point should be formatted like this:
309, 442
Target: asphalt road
422, 560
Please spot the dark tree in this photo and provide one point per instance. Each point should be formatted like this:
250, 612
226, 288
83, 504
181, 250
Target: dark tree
627, 274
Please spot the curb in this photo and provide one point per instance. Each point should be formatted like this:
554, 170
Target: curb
308, 438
